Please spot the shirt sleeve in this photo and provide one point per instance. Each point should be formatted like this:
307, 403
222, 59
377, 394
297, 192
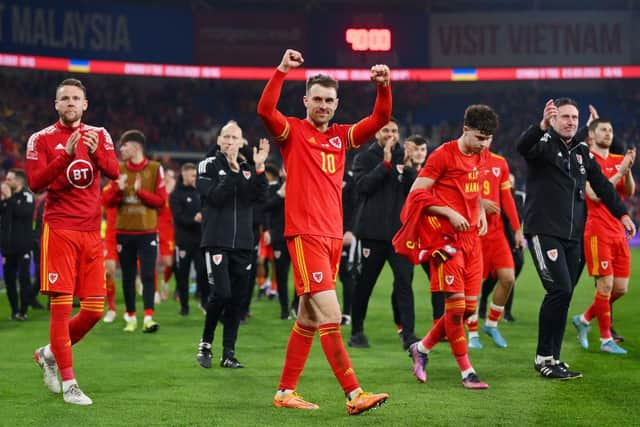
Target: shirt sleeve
275, 122
40, 171
366, 128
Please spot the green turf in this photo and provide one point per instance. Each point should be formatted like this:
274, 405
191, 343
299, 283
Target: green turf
138, 379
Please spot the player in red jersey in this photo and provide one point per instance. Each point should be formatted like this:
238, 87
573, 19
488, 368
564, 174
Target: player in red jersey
605, 243
166, 237
67, 158
496, 252
453, 173
110, 259
314, 156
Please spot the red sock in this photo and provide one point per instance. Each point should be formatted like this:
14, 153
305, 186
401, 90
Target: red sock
435, 335
470, 315
148, 312
602, 310
90, 313
454, 311
296, 356
495, 312
59, 334
167, 273
111, 293
336, 354
589, 313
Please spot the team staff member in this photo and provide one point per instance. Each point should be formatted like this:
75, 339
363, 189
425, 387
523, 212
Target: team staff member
138, 193
229, 186
559, 165
16, 208
67, 158
187, 219
383, 176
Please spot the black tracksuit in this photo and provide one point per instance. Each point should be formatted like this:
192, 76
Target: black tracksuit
15, 240
554, 219
381, 191
227, 238
185, 205
347, 272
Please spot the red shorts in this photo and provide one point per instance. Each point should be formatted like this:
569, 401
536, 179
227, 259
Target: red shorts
72, 263
264, 251
461, 273
166, 247
607, 255
110, 248
496, 254
315, 262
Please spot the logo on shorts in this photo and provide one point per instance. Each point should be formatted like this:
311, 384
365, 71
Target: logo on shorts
277, 254
552, 254
182, 254
604, 264
247, 174
217, 259
496, 171
317, 276
336, 142
153, 243
53, 278
366, 252
449, 279
579, 158
400, 168
80, 174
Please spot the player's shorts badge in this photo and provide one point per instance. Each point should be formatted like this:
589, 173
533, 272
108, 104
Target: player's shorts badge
217, 259
604, 264
277, 254
448, 279
53, 278
247, 174
317, 276
366, 252
552, 254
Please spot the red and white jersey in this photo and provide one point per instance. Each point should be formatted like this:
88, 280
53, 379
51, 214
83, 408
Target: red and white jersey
457, 179
495, 186
599, 219
73, 183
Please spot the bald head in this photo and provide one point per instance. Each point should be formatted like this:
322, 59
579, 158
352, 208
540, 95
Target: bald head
230, 138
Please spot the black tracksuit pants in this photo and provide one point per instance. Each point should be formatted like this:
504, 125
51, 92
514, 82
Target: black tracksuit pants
134, 247
185, 255
228, 274
374, 254
17, 265
282, 265
559, 263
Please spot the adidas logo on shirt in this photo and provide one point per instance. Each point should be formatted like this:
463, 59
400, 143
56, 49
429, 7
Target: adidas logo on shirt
60, 147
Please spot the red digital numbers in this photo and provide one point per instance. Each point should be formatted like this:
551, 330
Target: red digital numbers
369, 39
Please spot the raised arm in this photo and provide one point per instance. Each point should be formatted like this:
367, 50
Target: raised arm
275, 122
366, 128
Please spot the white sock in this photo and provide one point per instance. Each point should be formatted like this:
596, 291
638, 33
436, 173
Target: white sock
354, 393
473, 334
583, 320
422, 348
541, 360
68, 383
147, 318
493, 323
467, 372
282, 393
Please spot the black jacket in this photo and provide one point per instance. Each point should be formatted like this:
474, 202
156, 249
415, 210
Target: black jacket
381, 192
185, 204
274, 213
16, 225
555, 204
349, 201
227, 202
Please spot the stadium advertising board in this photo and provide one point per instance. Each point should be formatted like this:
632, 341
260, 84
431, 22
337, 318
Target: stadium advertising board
530, 39
249, 39
96, 30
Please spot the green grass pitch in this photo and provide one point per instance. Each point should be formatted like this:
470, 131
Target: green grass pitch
147, 380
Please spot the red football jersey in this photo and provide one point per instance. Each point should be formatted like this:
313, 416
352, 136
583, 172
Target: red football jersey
314, 160
457, 179
495, 186
73, 183
599, 219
